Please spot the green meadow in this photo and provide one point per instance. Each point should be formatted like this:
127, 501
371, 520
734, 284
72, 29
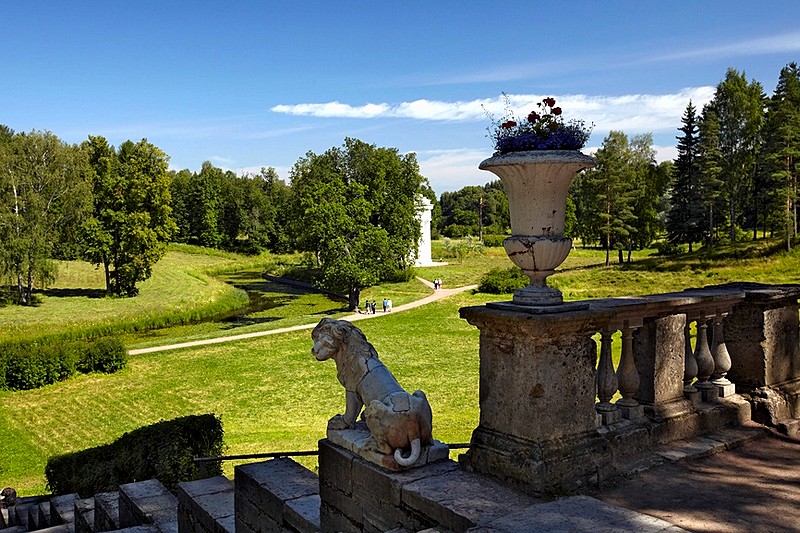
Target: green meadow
269, 391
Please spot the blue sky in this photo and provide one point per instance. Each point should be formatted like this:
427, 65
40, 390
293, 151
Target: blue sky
252, 84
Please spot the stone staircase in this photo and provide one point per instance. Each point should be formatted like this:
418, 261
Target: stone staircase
350, 495
276, 495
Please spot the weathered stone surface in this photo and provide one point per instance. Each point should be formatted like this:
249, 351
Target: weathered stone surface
528, 382
106, 511
356, 440
264, 489
578, 513
206, 506
459, 500
302, 514
62, 509
658, 350
84, 515
148, 502
761, 335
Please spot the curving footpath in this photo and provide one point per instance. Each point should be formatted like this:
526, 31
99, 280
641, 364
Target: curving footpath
437, 295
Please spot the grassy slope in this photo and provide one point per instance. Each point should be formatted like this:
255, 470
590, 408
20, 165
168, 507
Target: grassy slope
273, 396
178, 290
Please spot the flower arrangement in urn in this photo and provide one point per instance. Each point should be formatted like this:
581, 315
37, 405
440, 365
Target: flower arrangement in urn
544, 129
536, 159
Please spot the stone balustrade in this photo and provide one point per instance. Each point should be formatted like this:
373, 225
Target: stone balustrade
548, 416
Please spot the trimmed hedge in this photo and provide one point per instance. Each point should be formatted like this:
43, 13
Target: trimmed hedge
163, 451
32, 364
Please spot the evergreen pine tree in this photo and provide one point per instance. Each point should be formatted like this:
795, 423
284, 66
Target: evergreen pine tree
781, 149
685, 220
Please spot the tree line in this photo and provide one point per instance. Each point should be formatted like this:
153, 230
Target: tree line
353, 208
735, 173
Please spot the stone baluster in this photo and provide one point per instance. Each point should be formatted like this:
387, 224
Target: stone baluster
690, 366
606, 381
722, 359
627, 374
705, 361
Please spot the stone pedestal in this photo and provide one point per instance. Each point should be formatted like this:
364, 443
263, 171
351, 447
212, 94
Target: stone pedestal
537, 396
358, 496
763, 335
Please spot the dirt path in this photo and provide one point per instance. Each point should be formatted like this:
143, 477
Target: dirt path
437, 295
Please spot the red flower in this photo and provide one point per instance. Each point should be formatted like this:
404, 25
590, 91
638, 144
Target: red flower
533, 116
549, 101
508, 124
556, 110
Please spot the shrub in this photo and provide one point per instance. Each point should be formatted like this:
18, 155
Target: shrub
493, 241
164, 451
28, 365
667, 248
106, 355
503, 281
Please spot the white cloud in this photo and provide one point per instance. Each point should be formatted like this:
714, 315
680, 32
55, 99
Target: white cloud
334, 109
634, 112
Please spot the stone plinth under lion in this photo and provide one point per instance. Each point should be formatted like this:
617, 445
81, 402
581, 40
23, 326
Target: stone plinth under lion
396, 429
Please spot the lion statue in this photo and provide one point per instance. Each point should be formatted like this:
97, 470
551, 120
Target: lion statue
397, 420
8, 497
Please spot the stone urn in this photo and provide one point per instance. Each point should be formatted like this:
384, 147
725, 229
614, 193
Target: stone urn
537, 183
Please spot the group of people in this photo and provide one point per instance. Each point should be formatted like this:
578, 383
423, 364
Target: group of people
437, 284
370, 307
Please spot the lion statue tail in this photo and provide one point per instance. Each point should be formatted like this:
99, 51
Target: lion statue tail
412, 457
424, 425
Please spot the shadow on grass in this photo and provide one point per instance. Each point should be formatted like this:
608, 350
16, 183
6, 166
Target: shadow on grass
73, 293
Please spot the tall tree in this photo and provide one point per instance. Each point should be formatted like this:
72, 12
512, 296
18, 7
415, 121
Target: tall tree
648, 188
711, 185
42, 194
781, 151
131, 223
355, 208
686, 220
474, 208
739, 107
611, 184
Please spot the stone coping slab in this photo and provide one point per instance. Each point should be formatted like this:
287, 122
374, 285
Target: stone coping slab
577, 513
355, 441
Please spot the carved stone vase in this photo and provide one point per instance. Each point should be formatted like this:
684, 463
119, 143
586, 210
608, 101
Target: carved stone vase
537, 183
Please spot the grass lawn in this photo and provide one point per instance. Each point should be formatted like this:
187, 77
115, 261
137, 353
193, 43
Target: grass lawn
270, 392
178, 291
272, 395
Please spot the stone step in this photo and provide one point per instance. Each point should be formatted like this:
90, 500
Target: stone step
276, 495
206, 506
148, 503
84, 515
62, 510
60, 528
18, 515
106, 511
